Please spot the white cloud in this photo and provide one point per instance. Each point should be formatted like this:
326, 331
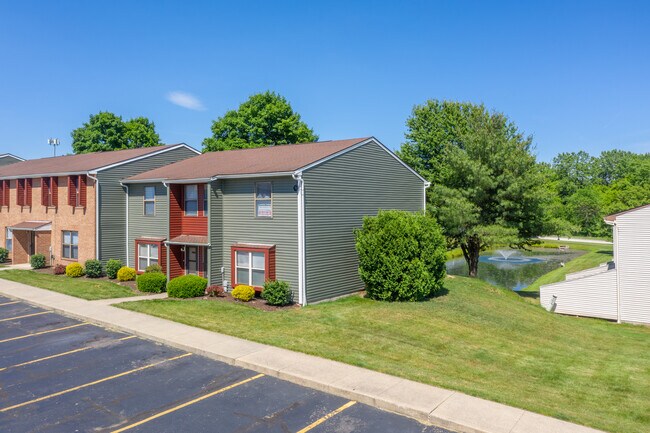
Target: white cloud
185, 100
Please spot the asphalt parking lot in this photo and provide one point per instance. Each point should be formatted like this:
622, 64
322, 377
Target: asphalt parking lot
58, 374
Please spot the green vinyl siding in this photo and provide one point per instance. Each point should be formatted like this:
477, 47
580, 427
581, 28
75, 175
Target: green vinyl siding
240, 225
215, 233
6, 160
141, 225
338, 194
112, 200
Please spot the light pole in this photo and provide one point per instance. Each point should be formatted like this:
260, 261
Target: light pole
53, 142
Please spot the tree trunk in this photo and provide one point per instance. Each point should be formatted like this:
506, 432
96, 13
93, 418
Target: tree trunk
471, 250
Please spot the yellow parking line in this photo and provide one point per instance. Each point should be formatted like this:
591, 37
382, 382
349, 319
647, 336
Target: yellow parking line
9, 303
43, 332
24, 316
86, 385
70, 352
188, 403
328, 416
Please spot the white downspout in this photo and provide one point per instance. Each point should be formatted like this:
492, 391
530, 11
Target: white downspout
302, 295
166, 185
616, 269
424, 198
96, 214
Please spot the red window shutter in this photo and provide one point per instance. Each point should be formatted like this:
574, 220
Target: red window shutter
2, 193
28, 192
7, 189
45, 186
71, 195
82, 190
20, 192
54, 186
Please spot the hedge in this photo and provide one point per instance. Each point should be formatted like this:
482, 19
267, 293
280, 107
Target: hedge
154, 282
187, 286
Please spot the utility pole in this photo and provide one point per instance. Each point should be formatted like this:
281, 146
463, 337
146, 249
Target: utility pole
53, 142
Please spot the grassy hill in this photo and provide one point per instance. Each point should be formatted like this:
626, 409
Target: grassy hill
477, 339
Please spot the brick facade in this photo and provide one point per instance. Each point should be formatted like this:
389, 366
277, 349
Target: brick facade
63, 217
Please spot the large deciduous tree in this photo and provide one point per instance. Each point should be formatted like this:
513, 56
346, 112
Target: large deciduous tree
485, 180
264, 119
106, 131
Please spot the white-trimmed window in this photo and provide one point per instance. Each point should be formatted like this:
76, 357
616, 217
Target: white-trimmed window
149, 200
191, 200
263, 200
205, 199
70, 245
250, 268
9, 239
147, 255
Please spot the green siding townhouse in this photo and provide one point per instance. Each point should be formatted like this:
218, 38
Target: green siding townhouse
279, 212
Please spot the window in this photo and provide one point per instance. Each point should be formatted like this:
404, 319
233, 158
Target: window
147, 255
205, 199
149, 200
9, 238
191, 200
250, 268
70, 245
263, 204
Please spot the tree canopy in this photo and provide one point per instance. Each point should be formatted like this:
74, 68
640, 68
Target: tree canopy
106, 131
264, 119
485, 180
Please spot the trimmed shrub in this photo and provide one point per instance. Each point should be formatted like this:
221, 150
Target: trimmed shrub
243, 292
154, 282
37, 261
112, 266
214, 290
59, 269
187, 286
154, 268
277, 293
93, 268
4, 255
74, 270
126, 274
401, 256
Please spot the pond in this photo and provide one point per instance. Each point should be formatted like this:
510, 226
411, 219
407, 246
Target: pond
514, 269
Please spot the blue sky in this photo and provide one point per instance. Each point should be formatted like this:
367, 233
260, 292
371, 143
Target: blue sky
575, 75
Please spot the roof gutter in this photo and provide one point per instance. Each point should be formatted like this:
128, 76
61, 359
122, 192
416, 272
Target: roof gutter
97, 214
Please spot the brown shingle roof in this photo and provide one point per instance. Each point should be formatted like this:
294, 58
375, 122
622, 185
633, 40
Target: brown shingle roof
76, 163
612, 217
271, 159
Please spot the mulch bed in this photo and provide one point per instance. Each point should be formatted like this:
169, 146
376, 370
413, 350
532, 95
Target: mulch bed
258, 303
130, 284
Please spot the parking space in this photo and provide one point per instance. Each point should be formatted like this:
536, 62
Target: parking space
61, 375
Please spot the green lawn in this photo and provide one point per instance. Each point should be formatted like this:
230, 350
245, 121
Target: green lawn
80, 287
596, 254
477, 339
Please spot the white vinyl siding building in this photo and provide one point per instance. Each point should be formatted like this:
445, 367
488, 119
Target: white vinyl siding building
619, 290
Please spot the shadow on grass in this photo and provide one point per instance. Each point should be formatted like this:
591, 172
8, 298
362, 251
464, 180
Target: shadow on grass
532, 295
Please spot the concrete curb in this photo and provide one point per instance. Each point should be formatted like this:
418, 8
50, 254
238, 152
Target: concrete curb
425, 403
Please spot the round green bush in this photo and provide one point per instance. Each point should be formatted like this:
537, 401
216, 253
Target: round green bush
243, 292
37, 261
74, 270
154, 282
112, 267
187, 286
93, 268
277, 293
126, 274
154, 268
4, 255
401, 256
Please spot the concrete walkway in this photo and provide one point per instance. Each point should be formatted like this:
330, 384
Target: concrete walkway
578, 240
437, 406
